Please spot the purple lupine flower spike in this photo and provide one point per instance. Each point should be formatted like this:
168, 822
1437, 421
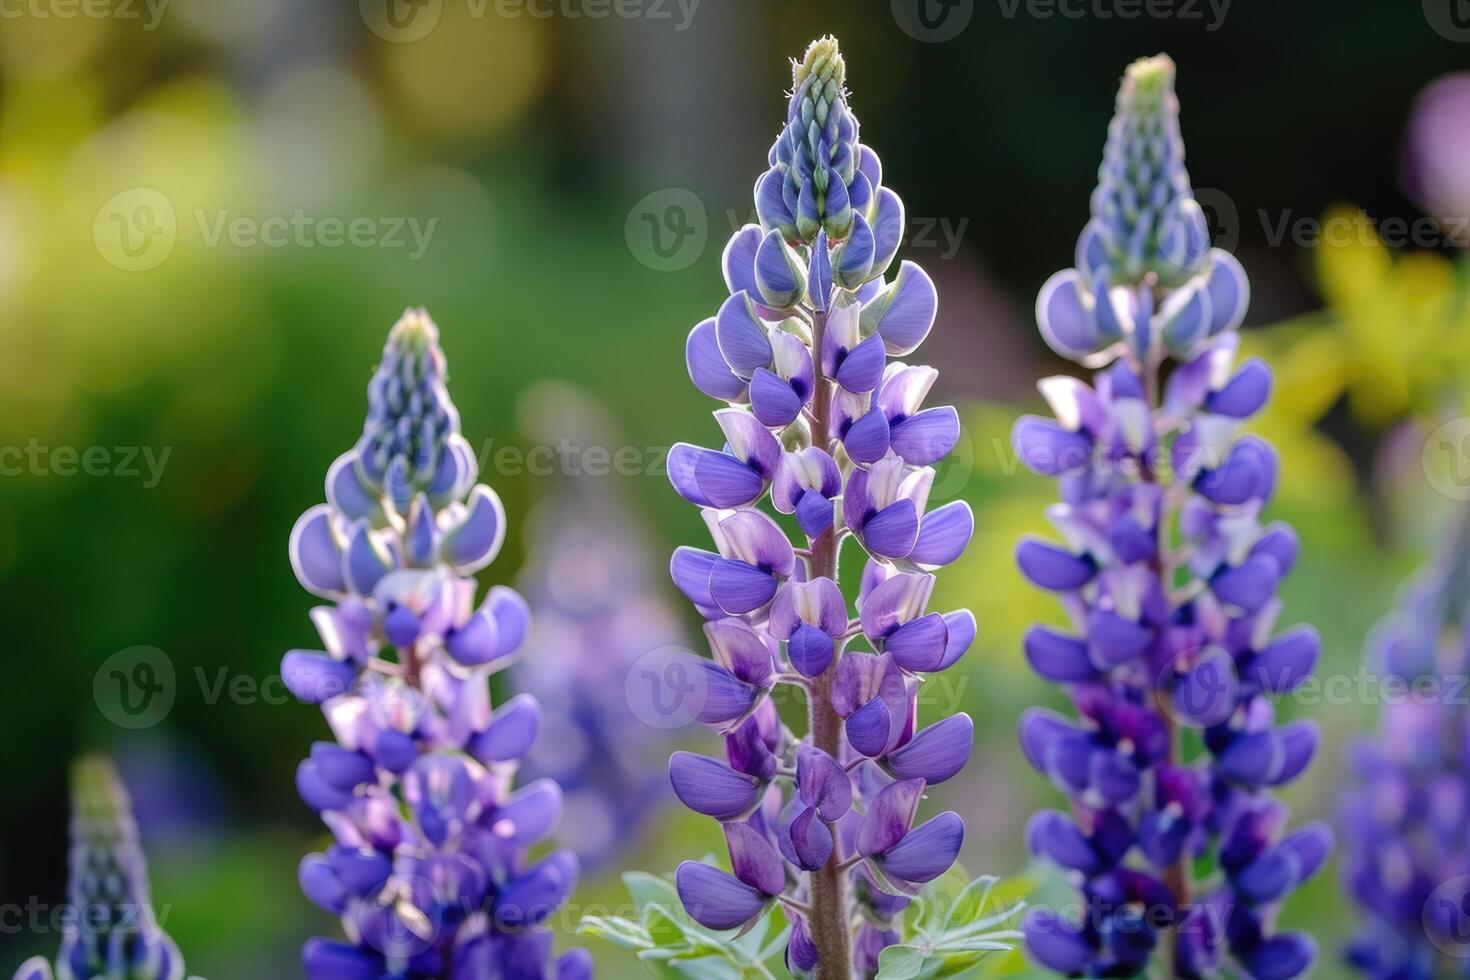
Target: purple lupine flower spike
429, 868
114, 934
1169, 579
822, 418
1406, 815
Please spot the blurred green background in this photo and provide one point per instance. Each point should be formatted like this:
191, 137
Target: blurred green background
211, 212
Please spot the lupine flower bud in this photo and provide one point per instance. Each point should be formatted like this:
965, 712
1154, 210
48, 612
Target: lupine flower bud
1165, 634
1146, 277
427, 868
1406, 814
818, 412
112, 933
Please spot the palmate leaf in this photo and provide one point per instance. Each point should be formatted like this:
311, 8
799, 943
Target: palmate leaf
671, 944
953, 925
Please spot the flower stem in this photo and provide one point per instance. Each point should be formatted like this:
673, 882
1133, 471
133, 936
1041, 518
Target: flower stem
830, 920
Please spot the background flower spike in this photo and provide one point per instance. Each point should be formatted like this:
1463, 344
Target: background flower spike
1170, 579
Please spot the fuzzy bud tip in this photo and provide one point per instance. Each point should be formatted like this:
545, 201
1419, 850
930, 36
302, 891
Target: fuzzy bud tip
823, 60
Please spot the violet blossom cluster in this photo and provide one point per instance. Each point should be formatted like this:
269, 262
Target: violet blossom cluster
1406, 816
1168, 578
821, 417
428, 868
112, 932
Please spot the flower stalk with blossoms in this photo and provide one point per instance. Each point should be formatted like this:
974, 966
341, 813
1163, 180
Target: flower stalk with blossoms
112, 932
428, 867
1169, 579
821, 417
1405, 817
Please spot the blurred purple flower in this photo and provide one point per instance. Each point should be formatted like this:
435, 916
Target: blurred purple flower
1169, 580
112, 930
1436, 159
1406, 816
822, 418
429, 868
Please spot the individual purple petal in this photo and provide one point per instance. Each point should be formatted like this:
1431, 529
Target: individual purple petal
1058, 658
852, 259
822, 783
341, 767
780, 274
1248, 473
511, 732
889, 816
691, 569
866, 440
893, 531
1249, 585
1047, 449
1280, 542
319, 883
1287, 661
1229, 291
862, 368
871, 729
903, 314
741, 650
366, 560
1245, 394
811, 841
1113, 640
801, 949
772, 400
574, 964
927, 851
752, 537
936, 753
814, 514
316, 792
738, 588
709, 478
750, 441
895, 601
1064, 314
888, 225
707, 367
810, 651
710, 787
919, 646
722, 697
530, 814
753, 859
943, 535
316, 555
741, 335
1056, 837
960, 632
475, 540
314, 677
1057, 944
819, 273
738, 259
528, 899
345, 492
1053, 568
717, 900
926, 438
1207, 693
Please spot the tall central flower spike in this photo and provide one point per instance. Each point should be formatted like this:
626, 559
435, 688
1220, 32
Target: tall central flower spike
428, 868
1406, 816
823, 419
114, 934
1168, 578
